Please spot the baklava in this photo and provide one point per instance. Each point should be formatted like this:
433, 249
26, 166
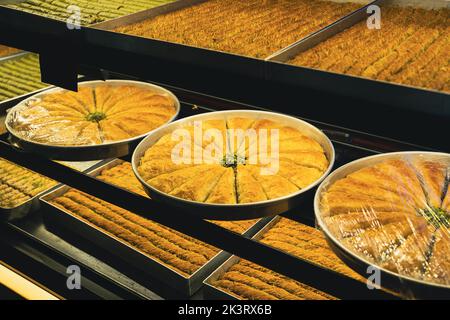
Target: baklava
94, 115
410, 48
180, 252
255, 28
241, 160
19, 75
92, 11
18, 185
247, 280
394, 214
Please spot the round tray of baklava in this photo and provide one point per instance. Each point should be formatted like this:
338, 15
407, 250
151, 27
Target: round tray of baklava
103, 119
234, 165
388, 217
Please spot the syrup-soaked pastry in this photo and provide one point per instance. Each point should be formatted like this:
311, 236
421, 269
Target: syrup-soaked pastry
394, 213
353, 223
438, 269
248, 178
247, 280
446, 201
169, 181
410, 258
199, 187
378, 244
248, 188
411, 49
183, 254
225, 190
95, 115
17, 184
433, 174
256, 28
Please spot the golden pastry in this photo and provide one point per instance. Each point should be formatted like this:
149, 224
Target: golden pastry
353, 223
169, 181
92, 11
337, 202
248, 188
433, 175
17, 184
93, 115
299, 175
378, 244
352, 185
411, 48
182, 253
20, 75
247, 280
316, 160
225, 190
391, 181
410, 258
446, 201
254, 28
198, 189
274, 186
438, 269
227, 143
392, 213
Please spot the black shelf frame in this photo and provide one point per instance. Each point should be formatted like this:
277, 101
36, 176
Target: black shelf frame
91, 52
342, 100
303, 271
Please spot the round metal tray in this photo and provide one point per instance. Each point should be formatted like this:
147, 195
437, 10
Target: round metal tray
406, 286
114, 149
235, 211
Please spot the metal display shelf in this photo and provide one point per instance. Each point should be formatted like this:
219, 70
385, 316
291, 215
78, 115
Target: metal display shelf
333, 101
403, 96
344, 100
121, 276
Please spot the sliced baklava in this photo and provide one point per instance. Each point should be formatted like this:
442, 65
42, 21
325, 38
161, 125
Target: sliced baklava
394, 214
180, 252
233, 160
247, 280
98, 114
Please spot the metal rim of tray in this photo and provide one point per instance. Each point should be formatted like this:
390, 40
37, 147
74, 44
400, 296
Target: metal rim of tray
33, 204
347, 255
220, 293
115, 149
244, 211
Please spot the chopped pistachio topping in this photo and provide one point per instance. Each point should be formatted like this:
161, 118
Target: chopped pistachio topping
96, 116
436, 216
232, 160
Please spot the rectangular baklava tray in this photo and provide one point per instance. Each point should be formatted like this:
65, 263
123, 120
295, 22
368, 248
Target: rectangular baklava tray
177, 260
